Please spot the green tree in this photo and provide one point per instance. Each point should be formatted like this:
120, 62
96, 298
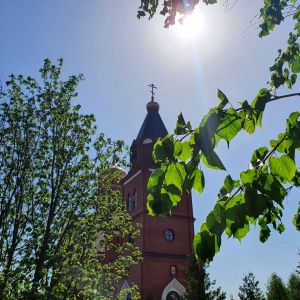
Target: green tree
257, 196
58, 215
250, 290
298, 267
293, 285
276, 289
198, 284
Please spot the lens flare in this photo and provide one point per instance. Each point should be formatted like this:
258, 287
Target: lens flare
191, 26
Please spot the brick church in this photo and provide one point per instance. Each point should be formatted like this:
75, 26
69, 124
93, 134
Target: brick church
164, 242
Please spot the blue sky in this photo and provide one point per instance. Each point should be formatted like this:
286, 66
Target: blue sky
120, 55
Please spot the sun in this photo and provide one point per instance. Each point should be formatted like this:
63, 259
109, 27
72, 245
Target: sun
191, 26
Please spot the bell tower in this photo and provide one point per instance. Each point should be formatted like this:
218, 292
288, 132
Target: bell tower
164, 242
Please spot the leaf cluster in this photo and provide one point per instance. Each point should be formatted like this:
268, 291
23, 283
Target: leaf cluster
170, 8
257, 196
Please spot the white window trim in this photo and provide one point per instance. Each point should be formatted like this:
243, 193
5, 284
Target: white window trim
173, 286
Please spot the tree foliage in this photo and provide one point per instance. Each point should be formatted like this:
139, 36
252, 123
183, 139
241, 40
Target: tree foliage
276, 289
58, 214
250, 290
170, 8
198, 284
293, 286
298, 266
257, 196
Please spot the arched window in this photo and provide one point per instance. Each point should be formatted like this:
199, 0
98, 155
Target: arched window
173, 296
129, 202
134, 204
128, 297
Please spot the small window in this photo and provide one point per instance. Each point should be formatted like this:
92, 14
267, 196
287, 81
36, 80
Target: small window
129, 203
173, 270
147, 141
134, 204
169, 235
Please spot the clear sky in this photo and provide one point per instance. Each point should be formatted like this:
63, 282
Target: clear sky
120, 55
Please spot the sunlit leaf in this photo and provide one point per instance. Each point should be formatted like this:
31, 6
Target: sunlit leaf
185, 151
283, 166
230, 126
206, 245
199, 181
212, 161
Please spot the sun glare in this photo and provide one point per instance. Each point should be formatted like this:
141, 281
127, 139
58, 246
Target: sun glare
191, 26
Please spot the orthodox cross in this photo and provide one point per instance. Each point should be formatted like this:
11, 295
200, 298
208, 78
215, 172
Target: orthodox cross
152, 92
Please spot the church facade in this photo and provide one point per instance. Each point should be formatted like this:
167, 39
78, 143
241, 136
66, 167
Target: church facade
164, 242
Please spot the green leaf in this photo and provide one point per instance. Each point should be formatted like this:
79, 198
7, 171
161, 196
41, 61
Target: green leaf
180, 125
296, 219
159, 204
293, 78
212, 161
175, 174
280, 228
159, 154
267, 184
199, 181
185, 151
248, 176
177, 148
296, 66
258, 156
219, 213
155, 181
264, 234
223, 99
174, 193
168, 146
249, 125
235, 213
230, 126
261, 100
255, 203
228, 187
206, 245
222, 96
213, 225
240, 233
228, 184
283, 167
204, 135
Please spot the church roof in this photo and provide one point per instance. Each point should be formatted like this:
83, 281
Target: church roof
153, 126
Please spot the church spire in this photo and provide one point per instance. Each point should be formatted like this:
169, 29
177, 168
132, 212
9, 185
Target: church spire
153, 126
152, 105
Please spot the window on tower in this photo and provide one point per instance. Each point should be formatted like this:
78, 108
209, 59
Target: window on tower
129, 203
173, 270
134, 204
169, 235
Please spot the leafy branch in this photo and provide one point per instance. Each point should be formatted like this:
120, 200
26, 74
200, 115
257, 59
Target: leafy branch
257, 197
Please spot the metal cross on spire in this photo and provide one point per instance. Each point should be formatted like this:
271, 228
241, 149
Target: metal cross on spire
152, 92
